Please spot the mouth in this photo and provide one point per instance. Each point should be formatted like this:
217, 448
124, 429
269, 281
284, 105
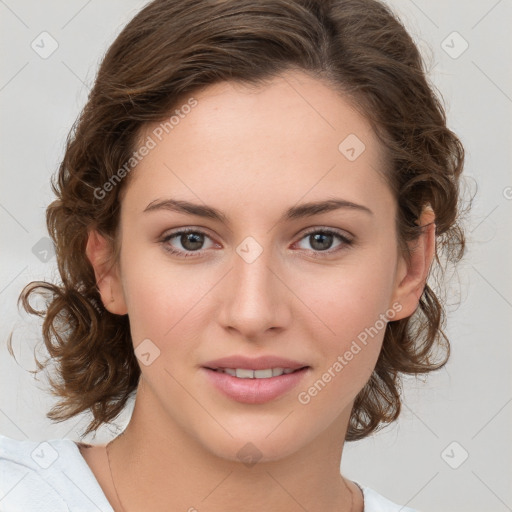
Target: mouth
254, 381
266, 373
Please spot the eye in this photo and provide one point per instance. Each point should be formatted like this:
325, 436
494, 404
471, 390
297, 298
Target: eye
321, 241
191, 241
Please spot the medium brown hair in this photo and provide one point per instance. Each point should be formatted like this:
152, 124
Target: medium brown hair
173, 48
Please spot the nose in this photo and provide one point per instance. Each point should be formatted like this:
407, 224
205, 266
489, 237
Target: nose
255, 298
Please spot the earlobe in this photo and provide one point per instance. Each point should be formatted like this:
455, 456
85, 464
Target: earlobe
99, 252
412, 273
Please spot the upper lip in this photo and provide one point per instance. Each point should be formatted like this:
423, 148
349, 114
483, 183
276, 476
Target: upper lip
257, 363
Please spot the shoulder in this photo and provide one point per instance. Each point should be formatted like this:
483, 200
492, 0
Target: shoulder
374, 502
46, 476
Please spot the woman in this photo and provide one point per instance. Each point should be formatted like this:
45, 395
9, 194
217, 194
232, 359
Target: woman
247, 214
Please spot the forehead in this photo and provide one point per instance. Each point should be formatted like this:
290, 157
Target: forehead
290, 138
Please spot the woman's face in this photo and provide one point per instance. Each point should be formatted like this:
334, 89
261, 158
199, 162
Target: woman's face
264, 277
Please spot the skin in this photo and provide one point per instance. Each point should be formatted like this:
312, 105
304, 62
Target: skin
252, 153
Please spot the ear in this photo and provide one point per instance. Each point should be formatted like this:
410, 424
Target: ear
411, 275
99, 253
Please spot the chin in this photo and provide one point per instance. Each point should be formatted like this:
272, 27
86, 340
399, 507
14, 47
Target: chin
253, 444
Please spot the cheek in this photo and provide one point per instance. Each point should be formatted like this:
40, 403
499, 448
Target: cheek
347, 354
163, 299
349, 299
352, 309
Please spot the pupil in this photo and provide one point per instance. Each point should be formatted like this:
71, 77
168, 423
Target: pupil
191, 241
321, 237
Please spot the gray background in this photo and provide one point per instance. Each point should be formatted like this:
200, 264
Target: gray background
468, 402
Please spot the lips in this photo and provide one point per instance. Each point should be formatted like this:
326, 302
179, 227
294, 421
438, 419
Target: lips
254, 380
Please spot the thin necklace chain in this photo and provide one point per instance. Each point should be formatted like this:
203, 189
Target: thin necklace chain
111, 475
124, 510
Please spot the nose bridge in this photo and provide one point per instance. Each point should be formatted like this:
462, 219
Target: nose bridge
255, 299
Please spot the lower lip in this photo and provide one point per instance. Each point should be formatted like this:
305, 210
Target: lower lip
254, 391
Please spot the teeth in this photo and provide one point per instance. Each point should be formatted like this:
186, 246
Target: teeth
262, 374
243, 373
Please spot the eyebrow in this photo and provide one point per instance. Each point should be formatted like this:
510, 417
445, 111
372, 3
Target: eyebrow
295, 212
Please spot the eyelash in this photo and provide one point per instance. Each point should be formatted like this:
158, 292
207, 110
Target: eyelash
346, 242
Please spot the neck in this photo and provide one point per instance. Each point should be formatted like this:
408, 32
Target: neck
156, 466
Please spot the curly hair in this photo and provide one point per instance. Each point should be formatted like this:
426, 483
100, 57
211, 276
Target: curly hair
172, 48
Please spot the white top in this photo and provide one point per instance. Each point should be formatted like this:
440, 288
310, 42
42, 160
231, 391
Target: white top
52, 476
